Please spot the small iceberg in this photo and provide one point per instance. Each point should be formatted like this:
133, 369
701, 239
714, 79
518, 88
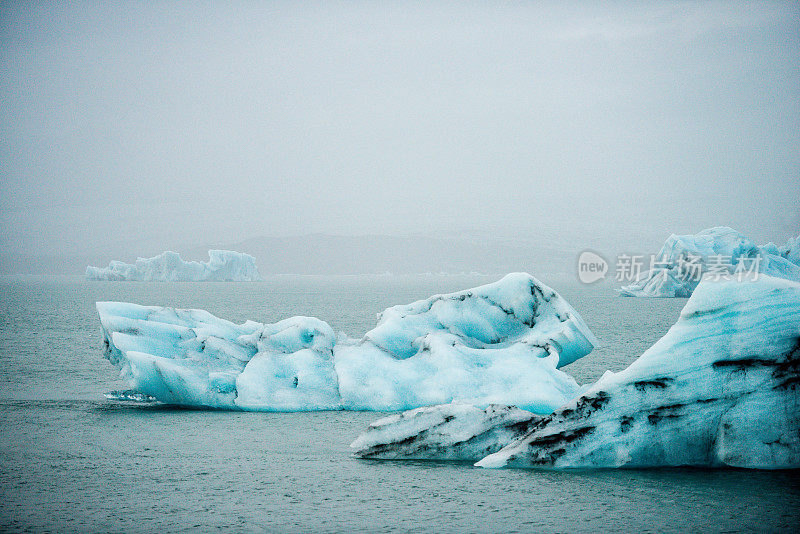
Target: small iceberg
223, 266
719, 252
500, 343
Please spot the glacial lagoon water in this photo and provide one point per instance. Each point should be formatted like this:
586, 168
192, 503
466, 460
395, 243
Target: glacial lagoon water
70, 460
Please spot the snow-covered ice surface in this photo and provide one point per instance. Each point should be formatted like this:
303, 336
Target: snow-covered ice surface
683, 260
223, 266
496, 343
719, 389
445, 432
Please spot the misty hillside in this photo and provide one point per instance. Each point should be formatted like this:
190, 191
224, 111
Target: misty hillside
375, 254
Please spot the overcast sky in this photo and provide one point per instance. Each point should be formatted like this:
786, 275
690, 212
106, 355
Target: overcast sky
154, 126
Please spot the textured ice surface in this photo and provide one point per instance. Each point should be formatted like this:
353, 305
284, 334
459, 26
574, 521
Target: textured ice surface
497, 343
444, 432
223, 266
684, 258
720, 388
517, 309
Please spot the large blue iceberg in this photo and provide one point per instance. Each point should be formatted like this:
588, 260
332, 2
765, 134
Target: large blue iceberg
719, 389
719, 252
223, 266
498, 343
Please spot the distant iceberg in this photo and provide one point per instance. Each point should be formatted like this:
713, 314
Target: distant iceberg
719, 389
497, 343
223, 266
718, 252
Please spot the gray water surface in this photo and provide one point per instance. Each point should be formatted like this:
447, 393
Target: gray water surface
71, 460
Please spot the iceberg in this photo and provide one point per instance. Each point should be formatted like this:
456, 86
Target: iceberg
500, 343
223, 266
719, 252
719, 389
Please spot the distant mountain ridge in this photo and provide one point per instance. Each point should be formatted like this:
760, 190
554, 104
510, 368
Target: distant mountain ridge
320, 254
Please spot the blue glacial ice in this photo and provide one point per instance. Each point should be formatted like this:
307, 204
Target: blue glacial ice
498, 343
223, 266
719, 389
684, 259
